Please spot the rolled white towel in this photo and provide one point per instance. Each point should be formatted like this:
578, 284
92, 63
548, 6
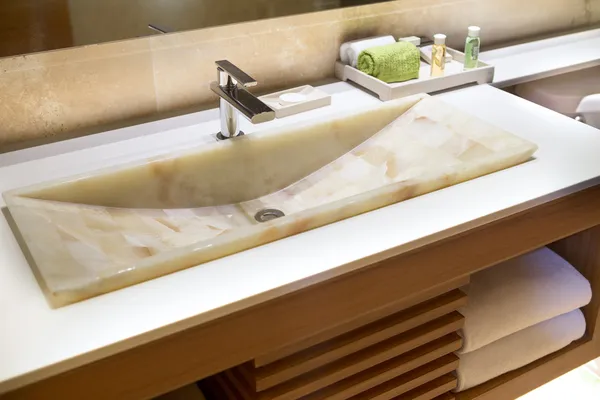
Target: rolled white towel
520, 293
519, 349
346, 46
349, 51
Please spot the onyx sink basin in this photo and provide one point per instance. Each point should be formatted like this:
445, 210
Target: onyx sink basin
125, 224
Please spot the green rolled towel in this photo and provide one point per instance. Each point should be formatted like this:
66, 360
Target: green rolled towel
396, 62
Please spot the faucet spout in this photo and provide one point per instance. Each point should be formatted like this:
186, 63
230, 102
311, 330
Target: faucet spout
234, 99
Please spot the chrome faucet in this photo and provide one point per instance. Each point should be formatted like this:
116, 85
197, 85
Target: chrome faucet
230, 88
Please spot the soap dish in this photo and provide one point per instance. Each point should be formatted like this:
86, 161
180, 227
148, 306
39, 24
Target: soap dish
313, 98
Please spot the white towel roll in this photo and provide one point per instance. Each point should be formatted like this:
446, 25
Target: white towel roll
520, 293
345, 46
519, 349
350, 51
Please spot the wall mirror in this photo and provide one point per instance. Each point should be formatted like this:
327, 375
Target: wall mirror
28, 26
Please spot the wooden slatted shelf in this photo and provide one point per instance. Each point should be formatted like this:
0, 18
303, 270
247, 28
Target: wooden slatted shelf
388, 370
412, 380
445, 396
364, 359
356, 340
246, 372
408, 352
236, 379
219, 388
430, 390
359, 321
424, 383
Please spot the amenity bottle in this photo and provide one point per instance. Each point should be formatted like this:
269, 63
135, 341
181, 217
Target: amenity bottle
472, 45
438, 54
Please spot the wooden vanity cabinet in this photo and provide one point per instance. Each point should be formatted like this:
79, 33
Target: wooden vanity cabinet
394, 318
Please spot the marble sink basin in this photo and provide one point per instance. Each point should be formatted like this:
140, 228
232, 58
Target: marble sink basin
119, 226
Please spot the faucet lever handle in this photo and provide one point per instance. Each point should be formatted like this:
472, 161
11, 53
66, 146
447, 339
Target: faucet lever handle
237, 74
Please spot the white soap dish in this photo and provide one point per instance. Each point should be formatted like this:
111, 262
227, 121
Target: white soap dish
293, 101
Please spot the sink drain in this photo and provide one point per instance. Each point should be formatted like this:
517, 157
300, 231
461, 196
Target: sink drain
268, 214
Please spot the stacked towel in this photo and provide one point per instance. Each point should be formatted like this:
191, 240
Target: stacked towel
519, 349
397, 62
511, 300
350, 51
520, 293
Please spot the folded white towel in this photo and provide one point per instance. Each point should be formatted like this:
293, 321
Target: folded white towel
519, 349
519, 293
350, 51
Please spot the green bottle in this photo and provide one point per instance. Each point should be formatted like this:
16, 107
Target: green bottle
472, 45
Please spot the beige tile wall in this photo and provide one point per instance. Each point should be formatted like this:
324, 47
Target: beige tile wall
55, 95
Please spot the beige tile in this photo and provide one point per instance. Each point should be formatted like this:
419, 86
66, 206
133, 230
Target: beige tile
52, 101
289, 57
386, 8
74, 55
452, 18
59, 92
593, 11
527, 18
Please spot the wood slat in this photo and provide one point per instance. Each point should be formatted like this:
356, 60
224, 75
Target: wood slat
445, 396
431, 390
364, 359
237, 382
383, 372
224, 389
188, 392
246, 371
351, 342
410, 380
357, 322
210, 389
415, 367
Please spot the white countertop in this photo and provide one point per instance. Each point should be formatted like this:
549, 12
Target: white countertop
37, 342
543, 58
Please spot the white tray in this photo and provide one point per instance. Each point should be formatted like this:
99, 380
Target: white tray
453, 76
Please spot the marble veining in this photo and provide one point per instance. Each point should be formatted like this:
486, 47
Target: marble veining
86, 239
